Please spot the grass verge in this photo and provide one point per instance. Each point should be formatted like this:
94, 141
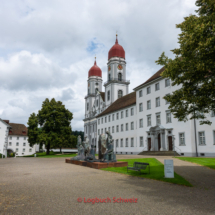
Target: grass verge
51, 155
156, 171
208, 162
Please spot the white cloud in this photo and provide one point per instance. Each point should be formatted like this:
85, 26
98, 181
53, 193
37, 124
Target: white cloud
47, 47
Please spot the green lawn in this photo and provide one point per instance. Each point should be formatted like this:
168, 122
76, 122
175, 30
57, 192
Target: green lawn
51, 155
208, 162
156, 171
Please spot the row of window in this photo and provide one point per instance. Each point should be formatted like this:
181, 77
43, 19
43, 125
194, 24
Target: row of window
157, 104
10, 138
201, 138
158, 122
157, 87
23, 150
127, 144
120, 94
17, 144
117, 116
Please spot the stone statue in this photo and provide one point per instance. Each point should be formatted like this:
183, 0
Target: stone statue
91, 155
80, 148
86, 146
106, 152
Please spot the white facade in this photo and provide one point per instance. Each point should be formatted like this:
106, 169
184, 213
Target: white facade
4, 130
20, 146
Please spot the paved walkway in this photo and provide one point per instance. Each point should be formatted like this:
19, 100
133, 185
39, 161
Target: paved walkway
198, 176
50, 186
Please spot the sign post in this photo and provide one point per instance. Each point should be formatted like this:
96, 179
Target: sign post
168, 169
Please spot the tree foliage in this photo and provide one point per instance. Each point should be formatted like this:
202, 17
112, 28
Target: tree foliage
194, 66
55, 129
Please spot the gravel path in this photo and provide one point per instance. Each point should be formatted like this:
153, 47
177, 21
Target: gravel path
50, 186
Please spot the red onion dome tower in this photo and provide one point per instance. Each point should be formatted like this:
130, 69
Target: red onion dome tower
95, 70
116, 51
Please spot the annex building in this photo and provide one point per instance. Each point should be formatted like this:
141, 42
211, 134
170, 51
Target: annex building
140, 121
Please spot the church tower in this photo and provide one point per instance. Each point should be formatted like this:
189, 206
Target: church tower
94, 84
116, 85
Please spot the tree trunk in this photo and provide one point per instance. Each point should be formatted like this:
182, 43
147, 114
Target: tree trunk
60, 150
47, 149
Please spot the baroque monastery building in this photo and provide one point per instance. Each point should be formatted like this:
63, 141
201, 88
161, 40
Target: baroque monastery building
140, 121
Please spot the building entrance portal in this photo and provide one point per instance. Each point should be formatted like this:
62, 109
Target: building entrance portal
170, 143
149, 144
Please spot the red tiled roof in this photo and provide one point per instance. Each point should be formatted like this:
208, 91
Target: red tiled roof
120, 103
18, 129
155, 76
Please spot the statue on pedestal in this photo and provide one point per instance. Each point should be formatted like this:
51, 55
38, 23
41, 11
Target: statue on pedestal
80, 148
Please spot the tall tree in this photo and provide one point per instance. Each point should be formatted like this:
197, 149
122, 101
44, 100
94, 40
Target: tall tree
55, 130
194, 66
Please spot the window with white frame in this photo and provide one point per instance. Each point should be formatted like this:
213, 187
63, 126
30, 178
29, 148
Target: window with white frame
121, 143
126, 126
112, 117
141, 141
121, 114
105, 119
214, 136
167, 82
112, 129
158, 119
148, 104
181, 139
166, 100
158, 102
132, 142
109, 118
120, 94
17, 138
10, 144
117, 128
140, 93
149, 120
102, 131
117, 116
117, 143
126, 142
168, 117
109, 129
202, 138
105, 130
132, 125
126, 113
23, 150
141, 123
17, 144
140, 107
24, 138
102, 120
157, 87
108, 95
99, 121
24, 144
17, 149
212, 113
10, 138
30, 150
122, 127
132, 111
98, 131
148, 90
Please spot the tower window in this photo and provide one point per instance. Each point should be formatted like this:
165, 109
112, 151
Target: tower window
108, 95
96, 90
120, 77
109, 77
120, 94
87, 106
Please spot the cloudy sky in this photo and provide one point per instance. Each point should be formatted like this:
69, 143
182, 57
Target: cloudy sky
47, 47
